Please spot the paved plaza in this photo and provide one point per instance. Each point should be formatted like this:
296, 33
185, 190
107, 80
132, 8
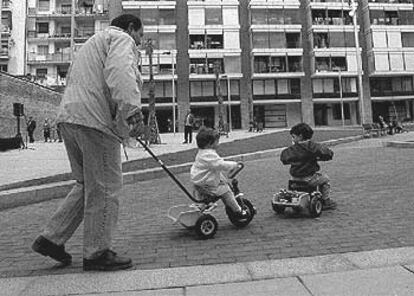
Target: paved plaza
372, 184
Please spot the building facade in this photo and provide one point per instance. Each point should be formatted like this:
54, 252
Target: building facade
55, 30
277, 62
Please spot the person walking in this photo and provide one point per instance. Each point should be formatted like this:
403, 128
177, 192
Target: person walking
31, 126
100, 109
188, 127
46, 130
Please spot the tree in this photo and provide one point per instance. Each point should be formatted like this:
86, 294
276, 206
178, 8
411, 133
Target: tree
154, 135
217, 70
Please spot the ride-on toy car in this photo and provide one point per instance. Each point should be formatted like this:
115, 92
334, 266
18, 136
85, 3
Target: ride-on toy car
198, 216
299, 196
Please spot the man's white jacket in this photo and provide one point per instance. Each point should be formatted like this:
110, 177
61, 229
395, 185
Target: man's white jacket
104, 84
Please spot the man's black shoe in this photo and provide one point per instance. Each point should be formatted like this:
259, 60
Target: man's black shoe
47, 248
107, 261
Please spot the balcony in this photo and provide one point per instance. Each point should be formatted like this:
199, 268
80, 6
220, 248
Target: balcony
391, 1
51, 58
271, 64
330, 64
6, 4
206, 42
4, 53
53, 35
328, 17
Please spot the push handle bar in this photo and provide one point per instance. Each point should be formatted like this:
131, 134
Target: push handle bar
234, 172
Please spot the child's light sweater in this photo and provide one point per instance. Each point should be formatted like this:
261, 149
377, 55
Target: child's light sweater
207, 171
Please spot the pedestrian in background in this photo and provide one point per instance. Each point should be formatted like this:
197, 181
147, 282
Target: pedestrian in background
31, 126
100, 109
188, 127
46, 130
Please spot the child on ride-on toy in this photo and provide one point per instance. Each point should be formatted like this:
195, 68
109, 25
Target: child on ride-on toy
207, 172
303, 156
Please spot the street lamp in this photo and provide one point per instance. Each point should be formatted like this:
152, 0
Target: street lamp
228, 99
352, 14
173, 87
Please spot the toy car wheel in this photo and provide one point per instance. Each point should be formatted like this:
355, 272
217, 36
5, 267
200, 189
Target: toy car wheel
278, 209
245, 205
315, 207
206, 226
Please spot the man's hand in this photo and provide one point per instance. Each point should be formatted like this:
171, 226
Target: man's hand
136, 124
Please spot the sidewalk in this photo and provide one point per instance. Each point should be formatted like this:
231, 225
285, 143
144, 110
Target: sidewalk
48, 159
380, 272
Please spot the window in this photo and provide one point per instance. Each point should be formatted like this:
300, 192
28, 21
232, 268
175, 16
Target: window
337, 113
293, 40
167, 40
150, 17
41, 72
167, 17
320, 40
406, 17
277, 64
232, 64
43, 28
214, 41
407, 39
197, 41
259, 17
212, 63
295, 86
3, 68
202, 89
44, 5
42, 49
65, 30
213, 16
336, 39
275, 17
260, 64
277, 40
294, 64
260, 39
292, 16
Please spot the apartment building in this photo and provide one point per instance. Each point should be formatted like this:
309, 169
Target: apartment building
389, 32
55, 30
12, 36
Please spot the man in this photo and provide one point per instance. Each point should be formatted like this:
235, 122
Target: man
100, 109
188, 127
31, 126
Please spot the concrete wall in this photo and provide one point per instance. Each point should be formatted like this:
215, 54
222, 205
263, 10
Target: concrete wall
39, 102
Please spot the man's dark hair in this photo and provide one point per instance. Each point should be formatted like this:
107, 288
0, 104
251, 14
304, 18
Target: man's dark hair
206, 136
302, 129
124, 20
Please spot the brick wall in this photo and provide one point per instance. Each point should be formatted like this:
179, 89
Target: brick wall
39, 102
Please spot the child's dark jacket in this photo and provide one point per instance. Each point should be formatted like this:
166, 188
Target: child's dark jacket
303, 158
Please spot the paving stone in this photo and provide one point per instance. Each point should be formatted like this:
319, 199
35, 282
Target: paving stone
286, 286
91, 282
13, 286
378, 258
297, 266
163, 292
375, 282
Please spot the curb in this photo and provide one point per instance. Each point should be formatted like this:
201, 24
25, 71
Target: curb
399, 144
35, 194
394, 260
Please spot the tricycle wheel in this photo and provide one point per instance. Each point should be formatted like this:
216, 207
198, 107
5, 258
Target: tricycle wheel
247, 206
315, 207
206, 226
278, 209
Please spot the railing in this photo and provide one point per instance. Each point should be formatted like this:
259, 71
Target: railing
35, 34
391, 1
6, 3
4, 52
51, 57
